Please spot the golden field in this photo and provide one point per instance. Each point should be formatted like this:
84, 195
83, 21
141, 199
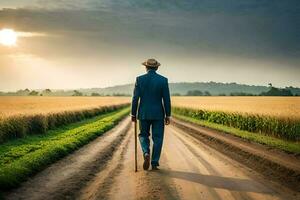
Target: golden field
10, 106
271, 106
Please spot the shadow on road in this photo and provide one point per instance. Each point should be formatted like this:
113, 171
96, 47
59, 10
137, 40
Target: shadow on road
234, 184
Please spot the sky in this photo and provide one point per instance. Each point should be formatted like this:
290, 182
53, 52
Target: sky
97, 43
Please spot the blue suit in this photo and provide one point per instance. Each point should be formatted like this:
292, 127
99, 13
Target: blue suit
151, 103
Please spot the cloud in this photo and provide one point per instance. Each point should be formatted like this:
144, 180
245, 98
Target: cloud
91, 35
248, 28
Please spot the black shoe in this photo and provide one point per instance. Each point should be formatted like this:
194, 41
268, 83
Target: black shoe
155, 168
146, 164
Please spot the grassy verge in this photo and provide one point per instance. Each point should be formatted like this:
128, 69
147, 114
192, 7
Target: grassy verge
287, 146
25, 156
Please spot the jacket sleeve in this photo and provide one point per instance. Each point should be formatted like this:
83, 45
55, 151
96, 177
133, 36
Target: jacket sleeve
135, 98
167, 99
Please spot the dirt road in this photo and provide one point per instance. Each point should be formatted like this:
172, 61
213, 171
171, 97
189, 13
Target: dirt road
104, 169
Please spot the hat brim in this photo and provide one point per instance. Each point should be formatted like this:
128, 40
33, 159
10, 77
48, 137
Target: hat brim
147, 65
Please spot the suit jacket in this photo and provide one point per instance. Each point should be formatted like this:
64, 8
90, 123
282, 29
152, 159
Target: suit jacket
151, 97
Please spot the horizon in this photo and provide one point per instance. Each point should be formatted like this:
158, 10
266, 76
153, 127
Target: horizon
125, 84
87, 44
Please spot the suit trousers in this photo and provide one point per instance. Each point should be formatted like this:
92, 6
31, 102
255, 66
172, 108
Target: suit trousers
157, 129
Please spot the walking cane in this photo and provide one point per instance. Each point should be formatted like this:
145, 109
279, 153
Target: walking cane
135, 145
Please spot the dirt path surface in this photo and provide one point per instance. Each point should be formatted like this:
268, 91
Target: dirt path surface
104, 169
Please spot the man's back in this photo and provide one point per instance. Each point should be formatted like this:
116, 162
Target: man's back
151, 97
153, 92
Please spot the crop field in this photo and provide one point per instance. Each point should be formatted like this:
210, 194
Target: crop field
42, 105
273, 116
271, 106
23, 116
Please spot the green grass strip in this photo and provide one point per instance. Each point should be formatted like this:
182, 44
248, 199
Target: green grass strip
287, 146
23, 157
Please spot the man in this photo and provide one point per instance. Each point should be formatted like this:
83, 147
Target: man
151, 97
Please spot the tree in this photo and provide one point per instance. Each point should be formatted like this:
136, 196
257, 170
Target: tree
77, 93
47, 91
22, 92
207, 93
120, 94
94, 94
194, 93
33, 93
240, 94
277, 92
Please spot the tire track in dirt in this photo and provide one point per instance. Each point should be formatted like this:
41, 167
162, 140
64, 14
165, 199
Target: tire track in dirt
228, 178
99, 186
209, 168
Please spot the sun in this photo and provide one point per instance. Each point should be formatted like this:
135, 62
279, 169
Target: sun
8, 37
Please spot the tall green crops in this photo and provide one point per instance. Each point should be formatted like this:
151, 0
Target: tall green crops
285, 128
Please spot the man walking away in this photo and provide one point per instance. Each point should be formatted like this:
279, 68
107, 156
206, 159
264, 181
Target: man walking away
151, 100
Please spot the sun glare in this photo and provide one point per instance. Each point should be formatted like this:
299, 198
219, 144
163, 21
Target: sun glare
8, 37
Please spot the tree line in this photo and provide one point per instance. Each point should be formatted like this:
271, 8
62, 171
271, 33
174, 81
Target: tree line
273, 91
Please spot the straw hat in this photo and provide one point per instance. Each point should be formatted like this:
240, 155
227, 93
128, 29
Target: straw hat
151, 63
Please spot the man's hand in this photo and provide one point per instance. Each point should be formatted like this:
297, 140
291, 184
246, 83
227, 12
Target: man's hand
133, 118
167, 120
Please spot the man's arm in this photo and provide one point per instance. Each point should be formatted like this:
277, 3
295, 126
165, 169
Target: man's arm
135, 101
167, 101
